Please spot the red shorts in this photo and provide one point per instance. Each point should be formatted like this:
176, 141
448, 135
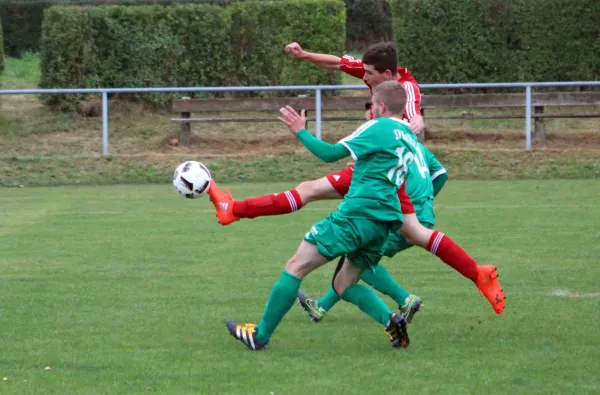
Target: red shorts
340, 181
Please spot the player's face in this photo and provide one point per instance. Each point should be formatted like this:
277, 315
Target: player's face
373, 77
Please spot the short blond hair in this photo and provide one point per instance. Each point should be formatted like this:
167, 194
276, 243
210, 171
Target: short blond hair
391, 93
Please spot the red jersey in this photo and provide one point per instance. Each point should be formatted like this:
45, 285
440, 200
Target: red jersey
355, 68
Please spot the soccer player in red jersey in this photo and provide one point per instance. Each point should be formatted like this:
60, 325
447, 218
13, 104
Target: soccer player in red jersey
378, 64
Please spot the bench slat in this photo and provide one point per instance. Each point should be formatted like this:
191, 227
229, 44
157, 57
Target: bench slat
332, 103
200, 120
496, 100
358, 118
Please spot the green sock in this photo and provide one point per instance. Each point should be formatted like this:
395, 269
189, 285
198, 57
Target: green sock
329, 299
381, 280
366, 300
281, 300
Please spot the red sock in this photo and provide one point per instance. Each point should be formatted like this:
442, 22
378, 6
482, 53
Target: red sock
273, 204
453, 255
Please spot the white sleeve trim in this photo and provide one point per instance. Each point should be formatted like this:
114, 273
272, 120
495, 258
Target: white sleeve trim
349, 149
437, 174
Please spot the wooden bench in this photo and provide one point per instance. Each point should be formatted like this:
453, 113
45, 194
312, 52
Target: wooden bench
269, 107
541, 101
355, 108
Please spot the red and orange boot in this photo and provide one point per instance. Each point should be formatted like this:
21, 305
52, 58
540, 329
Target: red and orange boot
487, 282
223, 203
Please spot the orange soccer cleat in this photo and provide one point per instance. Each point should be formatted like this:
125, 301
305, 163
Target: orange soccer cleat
487, 282
223, 203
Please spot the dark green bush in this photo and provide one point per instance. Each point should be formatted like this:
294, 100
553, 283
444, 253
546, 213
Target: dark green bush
498, 40
367, 22
22, 26
23, 18
260, 31
186, 45
1, 49
146, 46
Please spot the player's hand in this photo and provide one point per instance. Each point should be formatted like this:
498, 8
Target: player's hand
417, 124
294, 121
350, 164
295, 50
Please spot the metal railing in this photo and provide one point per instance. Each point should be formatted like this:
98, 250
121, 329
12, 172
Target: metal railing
316, 88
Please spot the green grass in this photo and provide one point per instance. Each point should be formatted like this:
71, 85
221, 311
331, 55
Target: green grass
125, 289
35, 171
21, 73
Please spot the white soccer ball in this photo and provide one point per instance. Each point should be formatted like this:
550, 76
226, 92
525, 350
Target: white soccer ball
191, 179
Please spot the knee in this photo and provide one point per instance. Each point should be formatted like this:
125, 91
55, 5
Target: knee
340, 285
307, 191
408, 236
416, 235
342, 281
298, 267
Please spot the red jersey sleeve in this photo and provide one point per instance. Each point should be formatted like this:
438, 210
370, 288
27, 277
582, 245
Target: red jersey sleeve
352, 66
413, 100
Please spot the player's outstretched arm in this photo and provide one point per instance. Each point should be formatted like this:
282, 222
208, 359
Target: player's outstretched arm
326, 61
295, 123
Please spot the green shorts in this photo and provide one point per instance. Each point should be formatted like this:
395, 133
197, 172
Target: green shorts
360, 240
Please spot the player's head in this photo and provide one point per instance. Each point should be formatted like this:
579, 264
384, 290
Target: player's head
380, 62
389, 100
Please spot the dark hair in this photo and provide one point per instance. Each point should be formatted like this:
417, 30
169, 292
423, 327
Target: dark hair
382, 56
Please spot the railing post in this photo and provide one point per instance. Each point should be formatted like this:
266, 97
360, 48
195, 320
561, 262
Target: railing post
539, 126
104, 123
528, 118
186, 128
318, 113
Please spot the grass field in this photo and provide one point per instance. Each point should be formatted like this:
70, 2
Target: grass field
125, 289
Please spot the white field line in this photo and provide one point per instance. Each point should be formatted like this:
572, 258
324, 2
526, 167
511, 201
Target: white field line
575, 294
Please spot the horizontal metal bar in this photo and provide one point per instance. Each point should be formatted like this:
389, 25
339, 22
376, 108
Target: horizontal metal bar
509, 85
287, 88
511, 116
200, 120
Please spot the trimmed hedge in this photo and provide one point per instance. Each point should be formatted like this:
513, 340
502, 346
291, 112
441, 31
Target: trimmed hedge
260, 31
23, 19
120, 46
186, 45
560, 39
498, 40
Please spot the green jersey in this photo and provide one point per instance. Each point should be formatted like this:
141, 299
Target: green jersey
383, 149
419, 186
422, 171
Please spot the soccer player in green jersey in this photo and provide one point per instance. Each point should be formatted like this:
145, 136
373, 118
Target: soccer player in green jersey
426, 178
383, 149
379, 64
